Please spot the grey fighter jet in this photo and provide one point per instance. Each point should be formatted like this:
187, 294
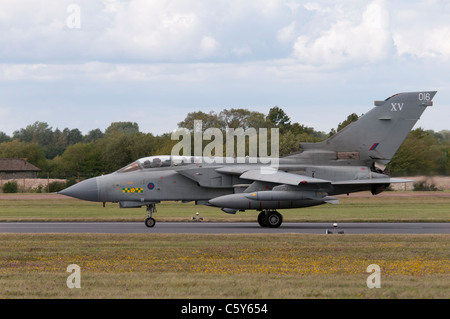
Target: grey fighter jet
352, 160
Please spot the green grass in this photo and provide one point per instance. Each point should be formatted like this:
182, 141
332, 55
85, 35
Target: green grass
351, 209
224, 266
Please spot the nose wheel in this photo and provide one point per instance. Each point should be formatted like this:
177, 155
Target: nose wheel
150, 221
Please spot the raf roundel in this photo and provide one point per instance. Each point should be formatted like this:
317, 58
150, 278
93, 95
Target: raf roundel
151, 186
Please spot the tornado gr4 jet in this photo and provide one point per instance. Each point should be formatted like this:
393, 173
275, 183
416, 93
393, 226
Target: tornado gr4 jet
352, 160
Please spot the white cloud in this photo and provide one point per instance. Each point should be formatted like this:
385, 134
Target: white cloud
431, 44
35, 72
151, 30
110, 29
137, 30
287, 34
312, 6
319, 32
422, 30
208, 47
364, 39
242, 51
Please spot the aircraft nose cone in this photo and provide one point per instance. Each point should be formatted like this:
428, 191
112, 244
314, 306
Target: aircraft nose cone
86, 190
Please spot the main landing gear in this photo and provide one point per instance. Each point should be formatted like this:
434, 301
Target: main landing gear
271, 219
149, 221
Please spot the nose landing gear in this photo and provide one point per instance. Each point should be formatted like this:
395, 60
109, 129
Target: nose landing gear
149, 221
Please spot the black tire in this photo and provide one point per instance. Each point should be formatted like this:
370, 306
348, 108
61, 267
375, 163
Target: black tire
150, 222
262, 219
273, 219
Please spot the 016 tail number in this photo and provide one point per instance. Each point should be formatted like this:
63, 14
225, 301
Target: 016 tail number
424, 97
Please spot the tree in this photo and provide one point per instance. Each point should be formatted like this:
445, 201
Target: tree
32, 152
242, 118
117, 128
74, 136
39, 133
279, 118
351, 118
114, 152
419, 154
290, 141
53, 143
93, 135
209, 120
58, 145
4, 137
82, 158
126, 148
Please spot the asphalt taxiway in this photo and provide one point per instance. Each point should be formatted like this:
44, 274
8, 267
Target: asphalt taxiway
222, 228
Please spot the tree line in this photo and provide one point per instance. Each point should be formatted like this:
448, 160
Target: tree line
66, 153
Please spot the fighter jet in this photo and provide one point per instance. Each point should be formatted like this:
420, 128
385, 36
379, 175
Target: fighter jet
353, 160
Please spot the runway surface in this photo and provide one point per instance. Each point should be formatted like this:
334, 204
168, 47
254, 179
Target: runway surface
221, 228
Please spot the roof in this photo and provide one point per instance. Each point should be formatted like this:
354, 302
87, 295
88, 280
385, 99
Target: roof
16, 165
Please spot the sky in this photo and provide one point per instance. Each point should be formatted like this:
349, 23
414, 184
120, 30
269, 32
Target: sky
84, 64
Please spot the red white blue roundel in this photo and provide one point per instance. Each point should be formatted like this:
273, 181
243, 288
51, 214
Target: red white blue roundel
151, 186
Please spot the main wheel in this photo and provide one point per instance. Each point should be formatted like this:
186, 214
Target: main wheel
273, 219
150, 222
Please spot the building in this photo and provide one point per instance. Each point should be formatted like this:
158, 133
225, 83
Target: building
17, 168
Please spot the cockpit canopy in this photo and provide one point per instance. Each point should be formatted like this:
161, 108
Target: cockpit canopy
159, 161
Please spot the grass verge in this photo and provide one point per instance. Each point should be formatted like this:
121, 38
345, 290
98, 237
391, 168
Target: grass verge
416, 206
224, 266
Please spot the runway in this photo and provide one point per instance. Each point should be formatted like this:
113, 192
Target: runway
221, 228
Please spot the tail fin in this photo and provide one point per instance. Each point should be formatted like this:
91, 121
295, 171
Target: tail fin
377, 135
